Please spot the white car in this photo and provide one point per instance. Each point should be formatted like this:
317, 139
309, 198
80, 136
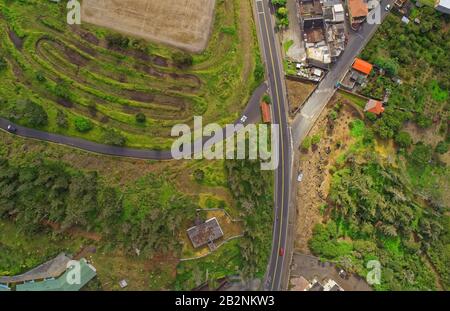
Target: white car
388, 7
244, 119
300, 177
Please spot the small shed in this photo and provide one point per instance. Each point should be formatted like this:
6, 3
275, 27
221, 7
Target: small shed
374, 106
266, 114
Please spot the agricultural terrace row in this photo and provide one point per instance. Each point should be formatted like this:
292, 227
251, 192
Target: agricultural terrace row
89, 82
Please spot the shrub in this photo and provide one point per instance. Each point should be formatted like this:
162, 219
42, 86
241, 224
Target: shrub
333, 115
117, 41
259, 72
306, 143
30, 113
61, 119
371, 116
62, 90
442, 147
114, 138
83, 125
40, 76
141, 118
421, 155
182, 59
403, 139
199, 175
3, 64
315, 139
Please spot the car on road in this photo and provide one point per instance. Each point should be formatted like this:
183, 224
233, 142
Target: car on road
281, 253
11, 128
300, 177
388, 7
244, 119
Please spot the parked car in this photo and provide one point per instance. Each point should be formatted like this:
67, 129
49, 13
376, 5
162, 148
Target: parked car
300, 177
388, 7
244, 119
11, 129
281, 252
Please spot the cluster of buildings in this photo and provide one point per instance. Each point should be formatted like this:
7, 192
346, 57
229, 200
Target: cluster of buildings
58, 274
357, 76
323, 28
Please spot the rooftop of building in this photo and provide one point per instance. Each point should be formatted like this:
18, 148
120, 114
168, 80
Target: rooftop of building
358, 8
205, 233
65, 282
50, 269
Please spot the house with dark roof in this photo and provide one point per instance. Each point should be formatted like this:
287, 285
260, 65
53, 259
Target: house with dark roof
205, 233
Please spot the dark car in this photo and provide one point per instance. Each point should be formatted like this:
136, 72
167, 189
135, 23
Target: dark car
11, 129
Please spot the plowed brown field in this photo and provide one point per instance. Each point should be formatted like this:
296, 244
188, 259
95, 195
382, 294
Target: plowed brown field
185, 24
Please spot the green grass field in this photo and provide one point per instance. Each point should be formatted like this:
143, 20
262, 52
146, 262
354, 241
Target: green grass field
74, 71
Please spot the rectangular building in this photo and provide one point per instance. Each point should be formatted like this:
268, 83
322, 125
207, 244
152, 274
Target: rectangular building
205, 233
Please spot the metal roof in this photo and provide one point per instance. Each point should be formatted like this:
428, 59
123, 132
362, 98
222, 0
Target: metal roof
63, 283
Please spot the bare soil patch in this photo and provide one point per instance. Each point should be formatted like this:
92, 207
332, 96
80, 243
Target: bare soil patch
298, 92
17, 41
185, 24
315, 165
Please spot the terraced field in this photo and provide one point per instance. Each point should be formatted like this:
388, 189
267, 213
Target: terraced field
121, 86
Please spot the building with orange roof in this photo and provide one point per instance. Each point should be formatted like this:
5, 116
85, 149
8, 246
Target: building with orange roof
374, 106
362, 66
266, 115
358, 11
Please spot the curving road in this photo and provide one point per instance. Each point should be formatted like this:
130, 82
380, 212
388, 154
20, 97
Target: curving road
279, 261
278, 270
252, 111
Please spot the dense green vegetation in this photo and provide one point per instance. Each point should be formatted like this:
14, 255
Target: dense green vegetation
18, 250
282, 19
62, 206
377, 212
246, 257
418, 55
147, 215
394, 207
100, 80
252, 189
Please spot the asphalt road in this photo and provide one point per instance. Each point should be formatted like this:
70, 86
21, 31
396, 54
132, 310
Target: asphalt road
252, 111
272, 58
312, 109
278, 270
